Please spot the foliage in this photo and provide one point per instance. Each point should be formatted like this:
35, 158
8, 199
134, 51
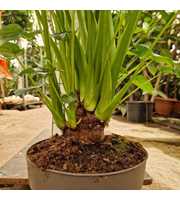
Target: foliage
152, 43
86, 50
20, 17
8, 34
17, 26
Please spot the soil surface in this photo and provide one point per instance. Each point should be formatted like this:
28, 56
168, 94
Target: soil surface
68, 154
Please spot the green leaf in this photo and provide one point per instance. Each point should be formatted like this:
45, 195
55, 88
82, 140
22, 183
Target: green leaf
58, 118
143, 83
142, 50
10, 32
106, 92
10, 50
123, 44
166, 69
162, 59
71, 115
153, 69
70, 98
177, 69
30, 35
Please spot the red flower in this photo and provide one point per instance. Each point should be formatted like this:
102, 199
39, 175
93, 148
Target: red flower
4, 72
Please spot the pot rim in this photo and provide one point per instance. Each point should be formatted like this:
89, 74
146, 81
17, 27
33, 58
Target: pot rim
166, 99
86, 174
140, 102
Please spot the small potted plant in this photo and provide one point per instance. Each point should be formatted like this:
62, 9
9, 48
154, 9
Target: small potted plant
86, 51
148, 47
150, 89
166, 106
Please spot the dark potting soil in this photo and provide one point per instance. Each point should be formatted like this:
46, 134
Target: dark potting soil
67, 154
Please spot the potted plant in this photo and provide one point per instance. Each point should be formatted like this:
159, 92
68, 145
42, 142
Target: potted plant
149, 47
176, 108
168, 46
163, 66
140, 110
85, 50
166, 106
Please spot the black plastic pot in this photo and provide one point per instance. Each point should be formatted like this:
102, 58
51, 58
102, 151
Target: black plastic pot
139, 111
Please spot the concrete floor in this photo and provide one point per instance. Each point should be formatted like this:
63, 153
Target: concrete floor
18, 128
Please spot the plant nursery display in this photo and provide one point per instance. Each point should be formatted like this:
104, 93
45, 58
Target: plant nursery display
83, 65
81, 68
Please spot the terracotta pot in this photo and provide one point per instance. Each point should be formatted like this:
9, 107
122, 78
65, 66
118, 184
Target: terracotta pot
176, 107
131, 178
164, 107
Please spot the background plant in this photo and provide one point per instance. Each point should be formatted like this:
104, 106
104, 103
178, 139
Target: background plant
152, 41
19, 46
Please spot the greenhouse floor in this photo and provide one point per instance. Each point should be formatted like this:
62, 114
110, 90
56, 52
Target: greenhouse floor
18, 128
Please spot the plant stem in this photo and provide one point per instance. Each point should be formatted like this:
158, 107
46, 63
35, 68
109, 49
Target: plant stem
156, 86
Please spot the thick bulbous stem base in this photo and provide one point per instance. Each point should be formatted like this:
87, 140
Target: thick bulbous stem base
89, 129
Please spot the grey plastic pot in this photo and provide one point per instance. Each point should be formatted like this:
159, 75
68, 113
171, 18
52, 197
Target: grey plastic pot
131, 179
139, 111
